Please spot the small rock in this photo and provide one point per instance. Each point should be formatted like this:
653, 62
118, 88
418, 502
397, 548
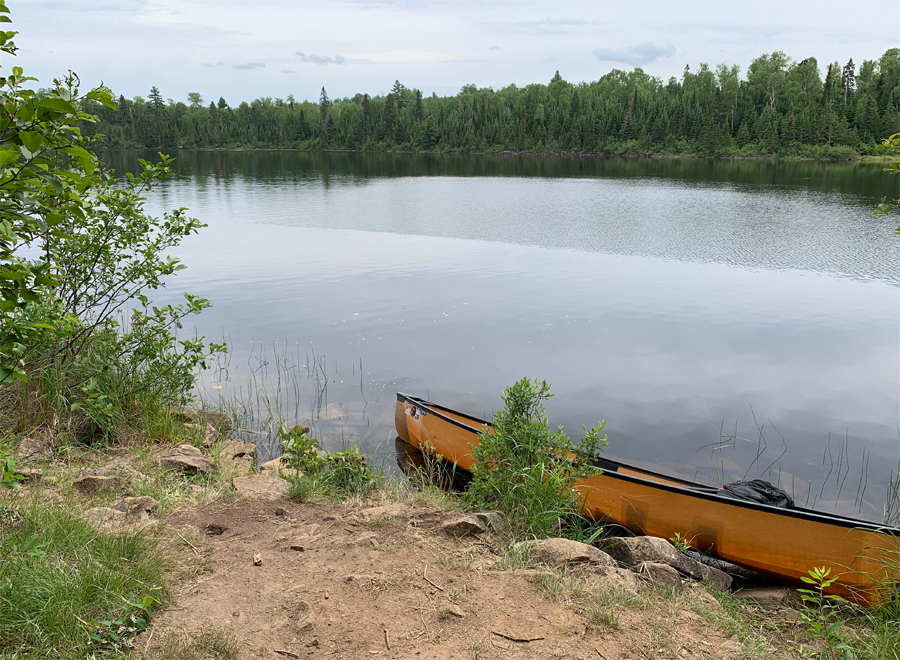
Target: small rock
281, 512
92, 486
275, 464
465, 526
12, 519
555, 552
257, 560
768, 598
212, 529
702, 596
398, 510
453, 610
234, 449
207, 432
493, 520
636, 550
661, 575
187, 458
33, 449
138, 510
105, 517
29, 476
119, 467
195, 416
614, 580
261, 485
790, 615
733, 645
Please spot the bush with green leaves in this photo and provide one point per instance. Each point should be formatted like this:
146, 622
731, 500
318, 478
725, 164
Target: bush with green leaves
79, 259
891, 146
528, 471
340, 473
821, 616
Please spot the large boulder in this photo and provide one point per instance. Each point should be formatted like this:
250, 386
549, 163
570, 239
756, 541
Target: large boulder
261, 485
187, 458
768, 598
661, 575
556, 552
238, 456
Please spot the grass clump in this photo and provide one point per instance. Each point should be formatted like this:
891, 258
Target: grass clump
68, 590
528, 471
209, 644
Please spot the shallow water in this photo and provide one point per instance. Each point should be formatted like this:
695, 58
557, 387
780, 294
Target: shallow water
684, 302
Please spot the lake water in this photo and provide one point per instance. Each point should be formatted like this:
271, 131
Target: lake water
727, 319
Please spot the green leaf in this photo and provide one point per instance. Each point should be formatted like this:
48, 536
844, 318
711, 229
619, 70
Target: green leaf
7, 156
57, 104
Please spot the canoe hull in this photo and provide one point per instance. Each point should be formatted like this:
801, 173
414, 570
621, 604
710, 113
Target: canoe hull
779, 542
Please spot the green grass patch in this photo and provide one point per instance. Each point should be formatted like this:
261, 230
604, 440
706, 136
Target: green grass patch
73, 583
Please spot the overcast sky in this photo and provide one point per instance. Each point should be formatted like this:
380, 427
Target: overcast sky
244, 49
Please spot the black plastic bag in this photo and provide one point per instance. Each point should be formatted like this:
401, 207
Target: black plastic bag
758, 491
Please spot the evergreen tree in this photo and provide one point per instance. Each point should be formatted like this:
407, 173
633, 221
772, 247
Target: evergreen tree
848, 80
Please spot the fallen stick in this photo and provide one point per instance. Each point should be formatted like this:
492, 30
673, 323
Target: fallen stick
517, 639
432, 583
287, 653
193, 547
386, 642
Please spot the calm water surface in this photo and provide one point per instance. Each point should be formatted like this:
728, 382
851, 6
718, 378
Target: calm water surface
725, 318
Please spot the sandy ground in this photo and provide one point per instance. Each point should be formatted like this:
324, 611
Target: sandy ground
353, 581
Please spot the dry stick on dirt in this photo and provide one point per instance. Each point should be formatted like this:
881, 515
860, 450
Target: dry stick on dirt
287, 653
425, 577
386, 642
193, 547
517, 639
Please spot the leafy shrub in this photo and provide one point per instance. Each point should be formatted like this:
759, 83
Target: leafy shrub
338, 473
78, 258
527, 471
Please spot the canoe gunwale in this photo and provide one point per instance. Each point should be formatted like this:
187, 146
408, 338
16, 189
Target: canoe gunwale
689, 488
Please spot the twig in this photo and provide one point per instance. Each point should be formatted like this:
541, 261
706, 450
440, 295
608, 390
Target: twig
432, 583
193, 547
287, 653
600, 654
387, 643
517, 639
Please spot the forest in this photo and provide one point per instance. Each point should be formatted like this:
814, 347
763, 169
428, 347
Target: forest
781, 107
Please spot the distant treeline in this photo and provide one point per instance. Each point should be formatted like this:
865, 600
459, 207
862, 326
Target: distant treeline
782, 107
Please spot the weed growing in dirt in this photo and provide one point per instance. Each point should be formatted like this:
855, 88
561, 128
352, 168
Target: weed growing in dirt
527, 471
51, 605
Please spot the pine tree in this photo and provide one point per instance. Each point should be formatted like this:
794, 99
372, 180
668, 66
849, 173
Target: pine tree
848, 79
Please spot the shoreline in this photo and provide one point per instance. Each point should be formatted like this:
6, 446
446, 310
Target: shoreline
525, 154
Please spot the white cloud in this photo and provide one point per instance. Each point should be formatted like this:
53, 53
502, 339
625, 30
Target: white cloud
320, 59
636, 55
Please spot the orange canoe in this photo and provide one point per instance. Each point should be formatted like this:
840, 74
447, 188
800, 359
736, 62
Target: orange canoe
784, 543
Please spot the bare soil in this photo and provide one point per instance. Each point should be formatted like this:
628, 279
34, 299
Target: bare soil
386, 582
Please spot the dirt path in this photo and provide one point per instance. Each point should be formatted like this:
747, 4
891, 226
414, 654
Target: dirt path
351, 581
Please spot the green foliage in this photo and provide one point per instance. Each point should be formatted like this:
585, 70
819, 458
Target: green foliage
337, 474
783, 107
79, 257
890, 146
527, 471
681, 543
299, 451
8, 476
819, 613
52, 603
119, 635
